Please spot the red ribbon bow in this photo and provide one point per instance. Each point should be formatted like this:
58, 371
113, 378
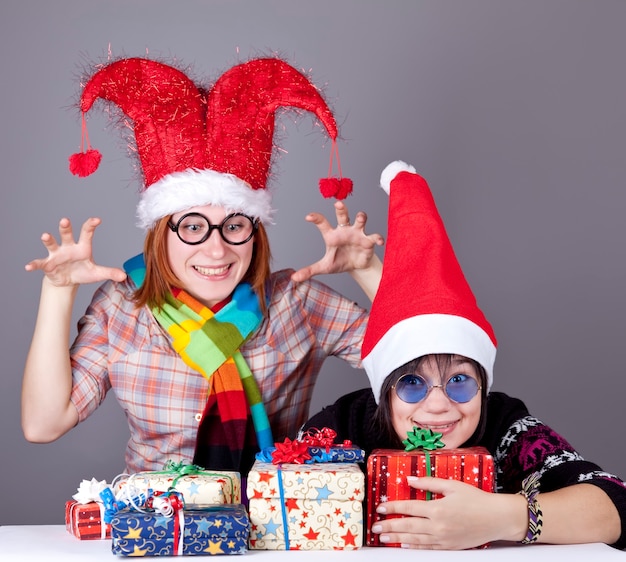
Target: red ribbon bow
291, 451
297, 451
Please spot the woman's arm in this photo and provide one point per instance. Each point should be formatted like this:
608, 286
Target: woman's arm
47, 412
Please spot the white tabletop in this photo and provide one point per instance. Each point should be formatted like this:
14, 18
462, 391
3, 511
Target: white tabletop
50, 543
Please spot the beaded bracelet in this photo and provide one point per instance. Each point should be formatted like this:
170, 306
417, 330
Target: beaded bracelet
530, 489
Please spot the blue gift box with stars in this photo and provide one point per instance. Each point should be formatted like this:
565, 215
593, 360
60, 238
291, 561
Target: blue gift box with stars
214, 530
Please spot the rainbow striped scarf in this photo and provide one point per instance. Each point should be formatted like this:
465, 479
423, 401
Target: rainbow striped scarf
235, 424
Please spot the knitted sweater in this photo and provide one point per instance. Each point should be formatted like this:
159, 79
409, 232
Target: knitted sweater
519, 443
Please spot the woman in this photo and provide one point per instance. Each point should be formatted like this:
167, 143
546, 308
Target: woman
429, 355
209, 354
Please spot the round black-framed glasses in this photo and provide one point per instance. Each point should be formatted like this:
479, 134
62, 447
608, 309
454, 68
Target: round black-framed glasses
413, 388
195, 228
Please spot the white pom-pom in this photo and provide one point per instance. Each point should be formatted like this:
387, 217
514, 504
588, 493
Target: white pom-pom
391, 171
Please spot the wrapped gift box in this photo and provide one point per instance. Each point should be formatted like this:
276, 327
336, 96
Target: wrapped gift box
387, 470
311, 447
337, 454
315, 506
214, 530
85, 520
199, 488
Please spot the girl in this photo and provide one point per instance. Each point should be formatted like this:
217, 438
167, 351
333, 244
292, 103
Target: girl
429, 353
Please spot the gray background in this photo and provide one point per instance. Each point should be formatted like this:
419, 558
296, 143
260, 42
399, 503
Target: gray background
515, 112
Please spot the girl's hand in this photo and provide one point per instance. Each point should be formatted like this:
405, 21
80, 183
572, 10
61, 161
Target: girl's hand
70, 263
465, 517
348, 248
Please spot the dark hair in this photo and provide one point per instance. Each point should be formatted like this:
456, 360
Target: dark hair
160, 277
382, 417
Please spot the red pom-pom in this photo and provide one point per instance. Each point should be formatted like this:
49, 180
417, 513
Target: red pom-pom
345, 188
85, 163
339, 188
328, 187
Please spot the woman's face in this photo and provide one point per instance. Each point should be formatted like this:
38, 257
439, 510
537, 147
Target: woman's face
209, 271
456, 422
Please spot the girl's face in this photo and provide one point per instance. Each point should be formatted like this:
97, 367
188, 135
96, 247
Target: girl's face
209, 271
456, 422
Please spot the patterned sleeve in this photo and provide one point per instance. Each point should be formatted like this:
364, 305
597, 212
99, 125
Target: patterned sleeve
89, 357
530, 446
91, 350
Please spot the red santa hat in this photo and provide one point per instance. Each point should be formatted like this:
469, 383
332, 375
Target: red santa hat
424, 304
199, 147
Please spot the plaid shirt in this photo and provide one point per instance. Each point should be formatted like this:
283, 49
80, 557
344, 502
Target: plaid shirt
123, 348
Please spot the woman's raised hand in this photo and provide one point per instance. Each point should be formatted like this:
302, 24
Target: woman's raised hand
348, 248
71, 262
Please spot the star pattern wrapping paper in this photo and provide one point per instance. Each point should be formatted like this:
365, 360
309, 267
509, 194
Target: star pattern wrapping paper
338, 454
84, 520
198, 490
216, 530
387, 470
321, 507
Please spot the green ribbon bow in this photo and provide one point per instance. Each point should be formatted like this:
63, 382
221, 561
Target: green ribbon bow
185, 469
427, 440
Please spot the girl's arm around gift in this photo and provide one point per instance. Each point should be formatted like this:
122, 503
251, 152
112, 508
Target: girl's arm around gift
467, 517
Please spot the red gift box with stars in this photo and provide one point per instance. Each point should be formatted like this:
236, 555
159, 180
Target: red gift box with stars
387, 470
315, 506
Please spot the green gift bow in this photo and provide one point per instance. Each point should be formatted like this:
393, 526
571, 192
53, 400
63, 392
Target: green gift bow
427, 440
185, 469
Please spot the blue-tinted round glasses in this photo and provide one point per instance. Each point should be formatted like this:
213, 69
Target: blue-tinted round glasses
414, 388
